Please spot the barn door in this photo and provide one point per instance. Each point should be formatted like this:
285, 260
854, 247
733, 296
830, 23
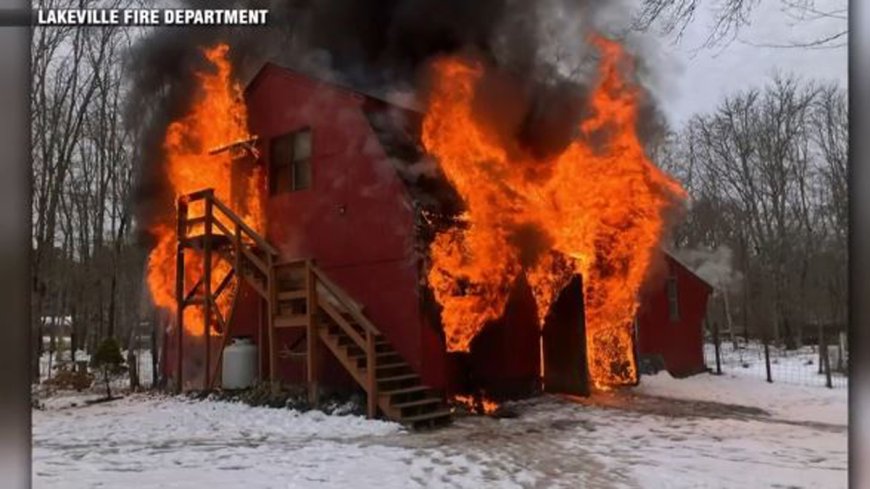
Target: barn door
564, 343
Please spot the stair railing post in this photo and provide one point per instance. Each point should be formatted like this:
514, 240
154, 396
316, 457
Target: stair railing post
313, 335
270, 318
206, 287
181, 233
370, 375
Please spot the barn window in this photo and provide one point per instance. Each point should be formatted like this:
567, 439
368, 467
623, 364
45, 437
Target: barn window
290, 162
673, 300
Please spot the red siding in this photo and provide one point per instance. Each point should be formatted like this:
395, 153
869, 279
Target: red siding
680, 343
356, 220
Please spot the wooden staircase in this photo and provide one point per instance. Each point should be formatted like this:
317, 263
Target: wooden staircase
297, 294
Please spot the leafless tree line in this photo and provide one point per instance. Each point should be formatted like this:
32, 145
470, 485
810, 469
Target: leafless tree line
767, 175
86, 265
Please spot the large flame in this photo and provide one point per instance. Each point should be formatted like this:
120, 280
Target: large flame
595, 210
218, 117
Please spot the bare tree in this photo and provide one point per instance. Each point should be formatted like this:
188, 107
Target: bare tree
86, 263
764, 172
731, 16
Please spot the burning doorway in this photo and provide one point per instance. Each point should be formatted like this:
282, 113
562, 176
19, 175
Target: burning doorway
513, 356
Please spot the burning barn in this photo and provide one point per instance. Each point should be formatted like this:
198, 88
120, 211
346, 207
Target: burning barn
419, 253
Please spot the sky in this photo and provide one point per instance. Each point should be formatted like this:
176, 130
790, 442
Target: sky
697, 78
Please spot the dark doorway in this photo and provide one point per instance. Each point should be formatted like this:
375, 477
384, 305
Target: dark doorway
564, 338
504, 358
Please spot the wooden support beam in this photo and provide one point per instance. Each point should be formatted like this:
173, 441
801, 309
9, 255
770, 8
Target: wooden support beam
313, 336
270, 318
371, 380
219, 318
192, 293
224, 283
179, 294
225, 327
199, 195
206, 284
261, 337
247, 144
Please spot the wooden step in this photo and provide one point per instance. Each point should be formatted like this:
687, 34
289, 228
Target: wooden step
350, 365
345, 340
441, 413
420, 402
390, 366
290, 321
405, 390
393, 371
292, 295
357, 355
398, 379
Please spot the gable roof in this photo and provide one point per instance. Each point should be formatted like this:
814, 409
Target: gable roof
398, 127
689, 269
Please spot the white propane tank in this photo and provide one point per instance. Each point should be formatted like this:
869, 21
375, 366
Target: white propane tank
239, 368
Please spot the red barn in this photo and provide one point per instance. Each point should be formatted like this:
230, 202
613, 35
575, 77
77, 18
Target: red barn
670, 321
343, 195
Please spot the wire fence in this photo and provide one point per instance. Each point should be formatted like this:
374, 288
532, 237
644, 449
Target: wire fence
824, 364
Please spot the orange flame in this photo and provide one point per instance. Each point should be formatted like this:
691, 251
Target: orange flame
600, 211
476, 404
217, 117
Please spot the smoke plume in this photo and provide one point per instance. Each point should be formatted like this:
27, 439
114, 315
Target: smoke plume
541, 62
714, 266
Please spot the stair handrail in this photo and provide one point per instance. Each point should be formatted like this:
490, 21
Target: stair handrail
345, 300
208, 194
367, 344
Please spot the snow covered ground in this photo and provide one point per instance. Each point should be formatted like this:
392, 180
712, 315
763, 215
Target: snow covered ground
705, 431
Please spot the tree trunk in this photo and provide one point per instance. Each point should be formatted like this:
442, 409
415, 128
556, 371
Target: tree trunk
110, 332
132, 360
108, 384
36, 332
52, 346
